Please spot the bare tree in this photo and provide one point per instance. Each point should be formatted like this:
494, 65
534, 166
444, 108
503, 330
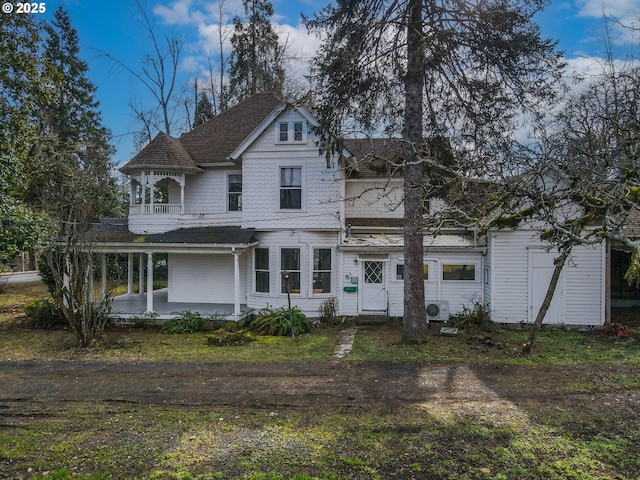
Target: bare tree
158, 74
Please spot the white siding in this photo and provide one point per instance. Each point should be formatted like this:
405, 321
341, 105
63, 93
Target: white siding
205, 278
308, 301
322, 188
459, 294
205, 192
583, 282
371, 199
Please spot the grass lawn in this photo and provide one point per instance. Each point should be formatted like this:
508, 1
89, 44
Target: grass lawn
571, 409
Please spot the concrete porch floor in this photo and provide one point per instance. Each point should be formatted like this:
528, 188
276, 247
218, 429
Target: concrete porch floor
135, 305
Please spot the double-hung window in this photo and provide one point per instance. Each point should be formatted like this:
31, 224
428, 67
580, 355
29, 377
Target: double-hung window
261, 266
290, 265
321, 270
290, 188
234, 192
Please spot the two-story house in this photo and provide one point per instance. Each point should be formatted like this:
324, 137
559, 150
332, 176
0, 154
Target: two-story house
248, 195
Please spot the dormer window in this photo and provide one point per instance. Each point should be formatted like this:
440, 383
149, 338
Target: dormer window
292, 132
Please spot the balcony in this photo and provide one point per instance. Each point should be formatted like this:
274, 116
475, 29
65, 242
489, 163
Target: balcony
157, 209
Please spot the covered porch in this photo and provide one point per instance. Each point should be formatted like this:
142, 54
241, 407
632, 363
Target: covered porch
131, 306
207, 276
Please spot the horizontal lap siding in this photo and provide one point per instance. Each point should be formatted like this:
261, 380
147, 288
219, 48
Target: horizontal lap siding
205, 278
322, 188
374, 199
306, 300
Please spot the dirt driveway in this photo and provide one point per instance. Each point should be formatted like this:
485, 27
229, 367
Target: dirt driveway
497, 389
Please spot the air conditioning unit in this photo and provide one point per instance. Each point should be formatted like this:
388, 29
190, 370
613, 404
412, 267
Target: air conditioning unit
437, 310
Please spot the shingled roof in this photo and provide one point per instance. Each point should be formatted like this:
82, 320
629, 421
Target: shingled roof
214, 140
210, 143
163, 152
375, 157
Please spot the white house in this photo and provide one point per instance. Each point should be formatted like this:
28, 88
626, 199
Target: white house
248, 195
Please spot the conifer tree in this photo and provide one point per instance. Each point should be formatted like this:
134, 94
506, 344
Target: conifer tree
70, 165
204, 110
256, 63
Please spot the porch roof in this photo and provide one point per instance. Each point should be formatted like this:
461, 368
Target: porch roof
114, 235
384, 242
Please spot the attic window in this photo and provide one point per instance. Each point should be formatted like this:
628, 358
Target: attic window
291, 132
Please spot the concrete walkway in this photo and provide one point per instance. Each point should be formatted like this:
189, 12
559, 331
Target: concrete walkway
344, 342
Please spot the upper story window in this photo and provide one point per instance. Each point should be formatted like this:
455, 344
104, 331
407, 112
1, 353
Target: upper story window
234, 192
291, 188
292, 132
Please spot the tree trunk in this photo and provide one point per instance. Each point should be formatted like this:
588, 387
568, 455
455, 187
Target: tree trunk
546, 303
415, 321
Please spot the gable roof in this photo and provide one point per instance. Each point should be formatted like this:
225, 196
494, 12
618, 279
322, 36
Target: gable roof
163, 152
210, 143
217, 138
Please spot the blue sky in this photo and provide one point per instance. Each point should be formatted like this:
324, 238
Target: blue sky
113, 27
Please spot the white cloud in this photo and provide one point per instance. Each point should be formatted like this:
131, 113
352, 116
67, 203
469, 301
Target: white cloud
175, 14
626, 12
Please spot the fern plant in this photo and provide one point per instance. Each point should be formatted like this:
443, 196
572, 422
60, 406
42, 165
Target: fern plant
281, 321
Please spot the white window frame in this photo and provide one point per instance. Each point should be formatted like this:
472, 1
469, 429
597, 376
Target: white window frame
302, 188
280, 270
290, 132
476, 269
256, 270
229, 192
312, 270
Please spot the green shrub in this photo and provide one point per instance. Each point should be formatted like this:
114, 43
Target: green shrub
44, 313
278, 321
187, 322
223, 338
479, 316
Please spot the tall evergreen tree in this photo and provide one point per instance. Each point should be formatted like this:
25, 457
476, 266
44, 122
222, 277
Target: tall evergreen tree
256, 63
70, 169
204, 110
21, 85
448, 77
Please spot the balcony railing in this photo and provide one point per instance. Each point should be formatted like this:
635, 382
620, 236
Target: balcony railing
156, 209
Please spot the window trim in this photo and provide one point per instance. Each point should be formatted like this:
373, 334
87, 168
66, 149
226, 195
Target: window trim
299, 271
301, 188
229, 193
291, 132
256, 270
312, 270
463, 280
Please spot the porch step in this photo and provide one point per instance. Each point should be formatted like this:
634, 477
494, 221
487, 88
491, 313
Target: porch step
373, 319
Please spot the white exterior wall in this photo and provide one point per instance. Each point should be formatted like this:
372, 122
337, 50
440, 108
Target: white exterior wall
306, 300
458, 293
204, 192
322, 189
371, 199
582, 285
205, 278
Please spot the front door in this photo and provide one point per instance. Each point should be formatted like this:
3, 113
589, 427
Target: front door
374, 294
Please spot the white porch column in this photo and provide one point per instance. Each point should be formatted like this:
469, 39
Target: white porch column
236, 284
182, 197
129, 273
103, 276
143, 179
152, 190
141, 274
149, 282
